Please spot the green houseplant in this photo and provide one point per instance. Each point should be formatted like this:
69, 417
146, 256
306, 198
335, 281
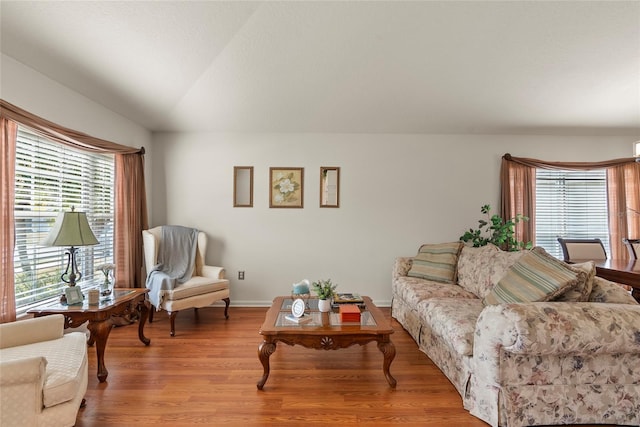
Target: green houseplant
497, 231
324, 288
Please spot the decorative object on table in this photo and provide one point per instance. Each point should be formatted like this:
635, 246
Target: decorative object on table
286, 187
329, 187
94, 297
107, 271
301, 290
71, 229
498, 232
347, 298
73, 295
297, 312
349, 313
325, 290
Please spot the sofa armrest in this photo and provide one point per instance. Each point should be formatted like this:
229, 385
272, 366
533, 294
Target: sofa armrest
21, 371
401, 267
553, 328
30, 331
213, 272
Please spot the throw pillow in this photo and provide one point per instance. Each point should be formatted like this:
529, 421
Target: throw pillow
583, 290
436, 262
537, 276
480, 269
472, 266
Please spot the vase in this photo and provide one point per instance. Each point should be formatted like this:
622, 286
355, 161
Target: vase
324, 305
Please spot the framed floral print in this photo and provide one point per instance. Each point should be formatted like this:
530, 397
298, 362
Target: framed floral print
286, 187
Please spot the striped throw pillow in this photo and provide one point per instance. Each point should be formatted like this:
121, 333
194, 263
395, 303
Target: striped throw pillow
537, 276
436, 262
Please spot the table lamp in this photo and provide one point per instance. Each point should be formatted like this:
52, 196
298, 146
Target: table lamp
71, 229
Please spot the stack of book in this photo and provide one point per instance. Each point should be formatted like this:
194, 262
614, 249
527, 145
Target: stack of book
349, 313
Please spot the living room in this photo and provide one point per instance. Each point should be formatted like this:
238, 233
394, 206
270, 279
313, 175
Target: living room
417, 130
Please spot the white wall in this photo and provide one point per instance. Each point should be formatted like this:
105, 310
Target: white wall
396, 192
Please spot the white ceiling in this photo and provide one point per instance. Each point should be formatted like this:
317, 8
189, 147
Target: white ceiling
317, 66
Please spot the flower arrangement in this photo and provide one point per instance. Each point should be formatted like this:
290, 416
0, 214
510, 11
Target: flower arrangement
106, 269
324, 288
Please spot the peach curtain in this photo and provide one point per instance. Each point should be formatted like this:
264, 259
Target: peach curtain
9, 131
131, 219
128, 231
624, 206
517, 190
517, 179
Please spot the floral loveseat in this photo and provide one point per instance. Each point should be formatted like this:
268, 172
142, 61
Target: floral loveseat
571, 357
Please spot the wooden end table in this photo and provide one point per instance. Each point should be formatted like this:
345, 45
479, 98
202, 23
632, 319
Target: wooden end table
121, 301
325, 332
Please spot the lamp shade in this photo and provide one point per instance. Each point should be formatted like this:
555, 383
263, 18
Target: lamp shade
71, 229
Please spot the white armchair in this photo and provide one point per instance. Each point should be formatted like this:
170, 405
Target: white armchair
43, 373
206, 286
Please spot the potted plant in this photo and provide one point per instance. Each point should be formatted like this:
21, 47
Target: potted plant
497, 231
324, 289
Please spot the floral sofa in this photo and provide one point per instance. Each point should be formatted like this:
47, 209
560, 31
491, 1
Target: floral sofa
570, 356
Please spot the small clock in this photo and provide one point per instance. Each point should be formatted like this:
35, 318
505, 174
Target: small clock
297, 308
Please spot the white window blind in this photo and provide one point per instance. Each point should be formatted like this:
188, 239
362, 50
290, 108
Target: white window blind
570, 204
51, 178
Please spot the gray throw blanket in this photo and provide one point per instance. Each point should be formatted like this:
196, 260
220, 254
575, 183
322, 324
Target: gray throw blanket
176, 259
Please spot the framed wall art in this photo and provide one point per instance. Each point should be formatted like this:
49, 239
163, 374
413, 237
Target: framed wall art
286, 187
243, 186
329, 187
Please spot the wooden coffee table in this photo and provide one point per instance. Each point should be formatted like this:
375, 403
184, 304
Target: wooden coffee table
123, 301
325, 332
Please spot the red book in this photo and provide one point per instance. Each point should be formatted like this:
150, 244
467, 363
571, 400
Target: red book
349, 313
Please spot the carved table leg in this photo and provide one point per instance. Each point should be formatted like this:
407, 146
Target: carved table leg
265, 350
389, 350
100, 331
143, 309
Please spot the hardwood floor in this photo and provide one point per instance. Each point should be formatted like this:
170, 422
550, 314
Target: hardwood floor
207, 375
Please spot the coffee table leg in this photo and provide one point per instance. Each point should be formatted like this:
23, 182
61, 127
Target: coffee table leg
265, 350
389, 351
100, 332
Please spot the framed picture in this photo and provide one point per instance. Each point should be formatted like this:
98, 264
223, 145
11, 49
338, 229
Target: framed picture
243, 186
329, 187
74, 295
286, 187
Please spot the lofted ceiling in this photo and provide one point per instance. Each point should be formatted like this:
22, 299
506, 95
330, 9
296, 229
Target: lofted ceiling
342, 66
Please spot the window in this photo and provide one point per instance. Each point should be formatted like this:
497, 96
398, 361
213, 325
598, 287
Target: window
50, 178
571, 204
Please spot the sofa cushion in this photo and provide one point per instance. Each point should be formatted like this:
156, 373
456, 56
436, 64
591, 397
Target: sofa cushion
536, 276
479, 269
453, 319
413, 290
583, 289
610, 292
436, 262
66, 359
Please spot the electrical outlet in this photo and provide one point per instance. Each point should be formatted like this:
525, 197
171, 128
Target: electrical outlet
240, 275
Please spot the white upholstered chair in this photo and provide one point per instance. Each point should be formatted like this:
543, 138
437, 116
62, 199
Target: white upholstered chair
582, 249
43, 373
206, 285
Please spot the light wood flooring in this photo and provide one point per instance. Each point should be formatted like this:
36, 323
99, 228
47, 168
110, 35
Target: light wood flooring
206, 375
